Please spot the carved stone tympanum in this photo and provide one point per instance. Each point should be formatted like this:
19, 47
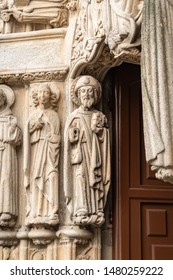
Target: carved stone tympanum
10, 138
87, 155
42, 145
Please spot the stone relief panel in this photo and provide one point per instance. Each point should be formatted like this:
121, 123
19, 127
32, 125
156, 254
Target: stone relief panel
10, 138
86, 155
9, 253
32, 15
100, 23
41, 157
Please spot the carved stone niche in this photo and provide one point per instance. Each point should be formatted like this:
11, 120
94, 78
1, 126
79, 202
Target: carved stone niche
74, 243
29, 15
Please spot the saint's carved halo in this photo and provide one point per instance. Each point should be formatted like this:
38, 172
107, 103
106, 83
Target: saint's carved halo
9, 94
85, 81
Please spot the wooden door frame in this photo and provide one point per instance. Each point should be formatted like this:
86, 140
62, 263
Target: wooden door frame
121, 204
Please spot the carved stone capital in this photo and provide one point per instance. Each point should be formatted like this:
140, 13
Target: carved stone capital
8, 238
76, 241
41, 235
67, 234
23, 233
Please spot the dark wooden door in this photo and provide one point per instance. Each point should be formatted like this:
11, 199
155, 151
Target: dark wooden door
143, 205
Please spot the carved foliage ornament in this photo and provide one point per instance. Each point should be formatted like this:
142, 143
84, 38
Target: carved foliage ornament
37, 76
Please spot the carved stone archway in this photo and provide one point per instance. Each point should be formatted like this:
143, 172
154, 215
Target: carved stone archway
107, 34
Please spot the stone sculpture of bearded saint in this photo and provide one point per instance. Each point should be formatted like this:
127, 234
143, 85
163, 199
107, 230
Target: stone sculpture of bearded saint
10, 138
87, 155
42, 145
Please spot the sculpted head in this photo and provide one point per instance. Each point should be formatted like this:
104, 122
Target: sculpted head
86, 92
43, 96
7, 97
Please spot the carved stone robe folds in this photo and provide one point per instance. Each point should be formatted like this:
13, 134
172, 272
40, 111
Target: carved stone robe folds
87, 168
10, 137
41, 167
157, 77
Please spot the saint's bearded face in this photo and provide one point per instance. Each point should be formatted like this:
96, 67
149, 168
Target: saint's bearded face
86, 95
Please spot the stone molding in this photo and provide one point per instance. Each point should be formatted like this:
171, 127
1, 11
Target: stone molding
26, 77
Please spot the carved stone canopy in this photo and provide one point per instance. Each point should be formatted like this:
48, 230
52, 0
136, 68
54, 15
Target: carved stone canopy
109, 36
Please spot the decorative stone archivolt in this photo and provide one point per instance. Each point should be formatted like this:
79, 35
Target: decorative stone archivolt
116, 24
46, 12
41, 158
157, 73
87, 155
10, 138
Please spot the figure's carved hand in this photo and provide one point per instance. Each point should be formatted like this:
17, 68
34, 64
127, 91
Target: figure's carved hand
39, 124
17, 14
12, 128
98, 122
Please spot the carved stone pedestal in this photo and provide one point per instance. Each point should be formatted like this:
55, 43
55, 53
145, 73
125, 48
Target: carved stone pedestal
74, 243
41, 235
8, 245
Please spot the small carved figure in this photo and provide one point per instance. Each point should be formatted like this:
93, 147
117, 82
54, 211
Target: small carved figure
42, 145
10, 138
87, 155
